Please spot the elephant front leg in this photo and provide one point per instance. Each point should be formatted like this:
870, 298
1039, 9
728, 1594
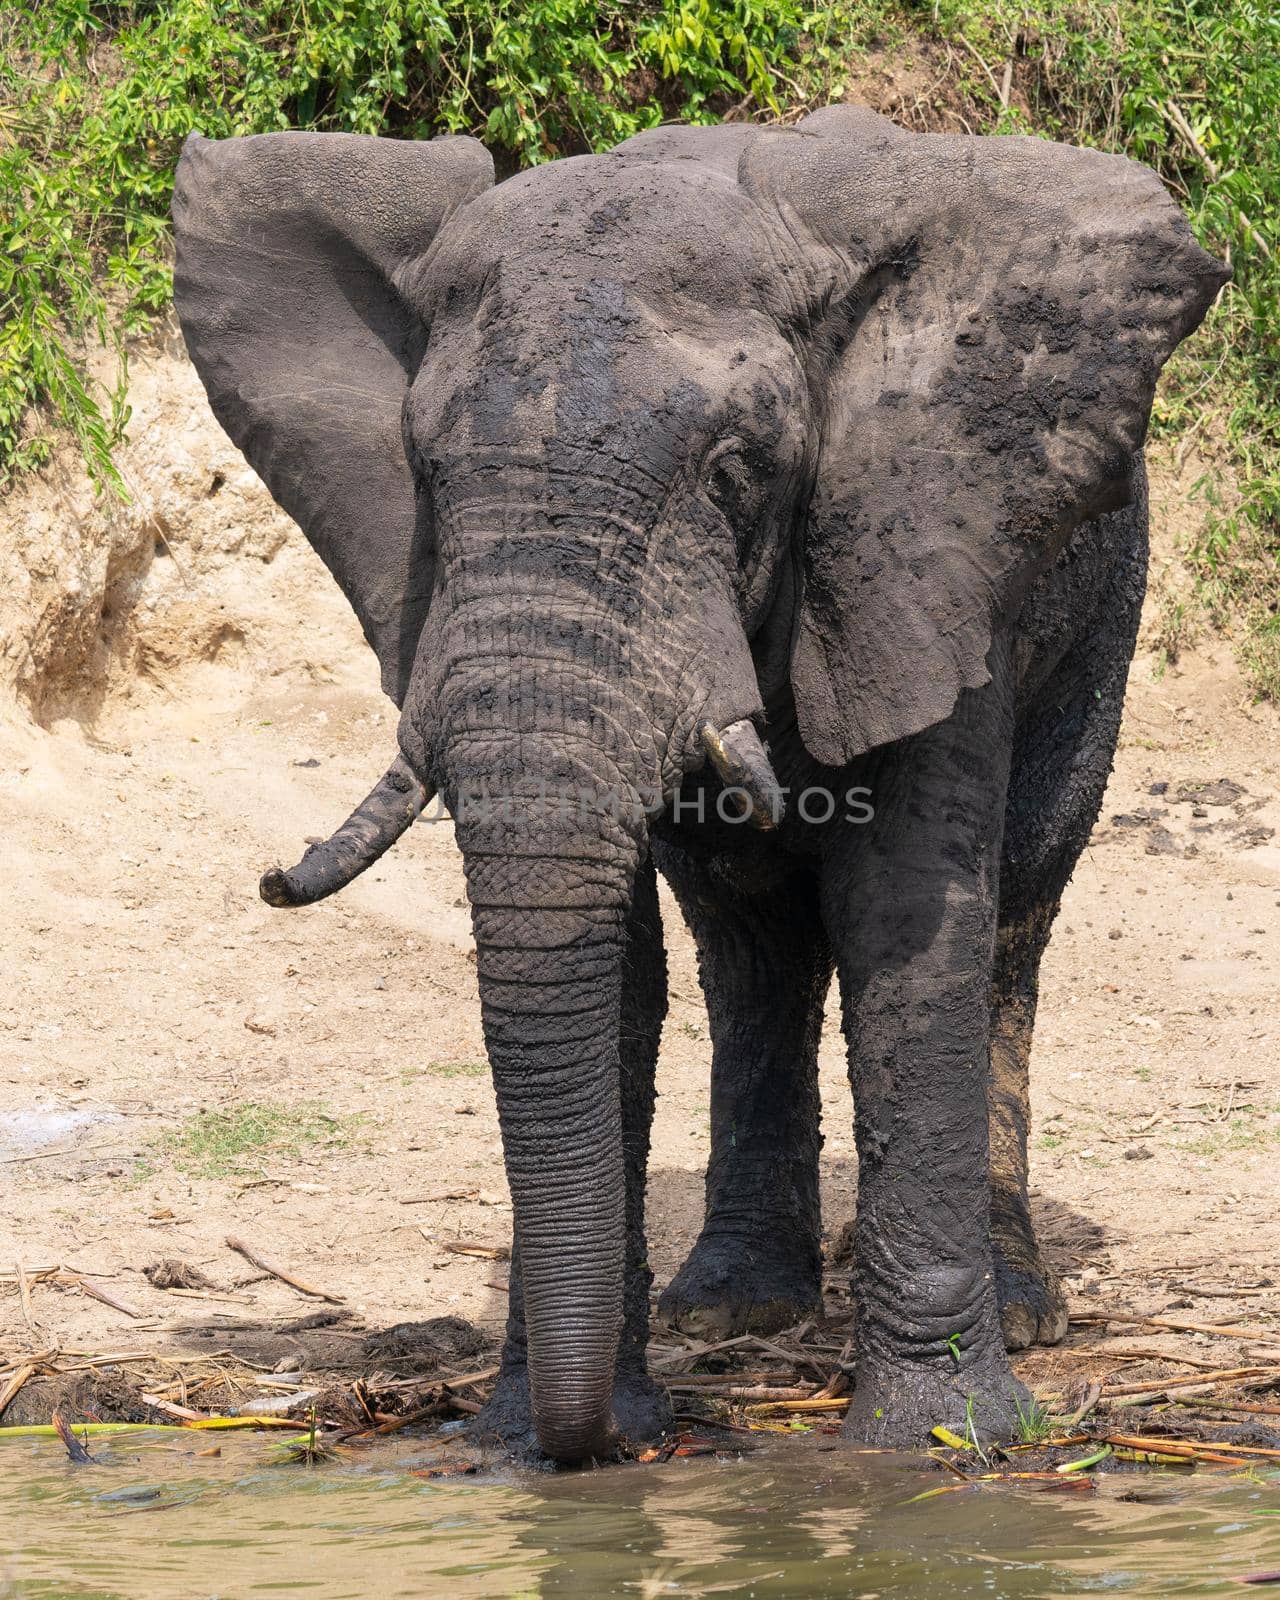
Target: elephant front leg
765, 965
641, 1409
911, 905
1033, 1307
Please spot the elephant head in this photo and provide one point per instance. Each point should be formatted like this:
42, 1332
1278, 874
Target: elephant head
595, 451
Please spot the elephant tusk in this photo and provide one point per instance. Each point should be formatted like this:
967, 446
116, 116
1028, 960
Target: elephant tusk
393, 803
740, 762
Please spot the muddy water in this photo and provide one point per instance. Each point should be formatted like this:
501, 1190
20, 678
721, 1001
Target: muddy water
152, 1520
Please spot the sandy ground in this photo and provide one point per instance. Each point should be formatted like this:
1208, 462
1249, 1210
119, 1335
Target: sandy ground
144, 982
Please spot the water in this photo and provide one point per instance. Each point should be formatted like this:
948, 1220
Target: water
152, 1520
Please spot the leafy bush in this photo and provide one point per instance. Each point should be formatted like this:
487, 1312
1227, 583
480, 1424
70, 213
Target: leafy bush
100, 96
97, 95
1191, 87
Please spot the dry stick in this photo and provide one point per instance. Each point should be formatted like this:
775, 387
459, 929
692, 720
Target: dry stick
63, 1150
485, 1252
1215, 1405
209, 1294
15, 1383
464, 1380
708, 1380
794, 1358
88, 1363
1183, 127
183, 1413
1177, 1325
991, 77
423, 1414
99, 1293
749, 1394
718, 1423
1205, 1292
431, 1199
1199, 1457
694, 1352
1092, 1396
1161, 1385
813, 1402
1184, 1447
1152, 1354
24, 1288
252, 1256
797, 1332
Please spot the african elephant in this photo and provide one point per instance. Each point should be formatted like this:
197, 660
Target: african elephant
827, 432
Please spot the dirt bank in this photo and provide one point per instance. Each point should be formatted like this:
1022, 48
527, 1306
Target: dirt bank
187, 700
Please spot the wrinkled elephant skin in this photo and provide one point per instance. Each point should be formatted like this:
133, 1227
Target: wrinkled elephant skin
766, 505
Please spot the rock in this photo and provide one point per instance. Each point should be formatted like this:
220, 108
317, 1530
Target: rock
1138, 1152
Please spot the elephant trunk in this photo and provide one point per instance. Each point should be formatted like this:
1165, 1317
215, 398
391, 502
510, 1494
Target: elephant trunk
562, 684
549, 894
542, 743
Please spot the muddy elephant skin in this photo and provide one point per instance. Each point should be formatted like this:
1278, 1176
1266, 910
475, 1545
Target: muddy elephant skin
828, 437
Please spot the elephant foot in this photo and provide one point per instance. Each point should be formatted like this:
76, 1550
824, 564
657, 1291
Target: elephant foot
728, 1286
1033, 1307
896, 1404
641, 1413
507, 1420
930, 1355
641, 1409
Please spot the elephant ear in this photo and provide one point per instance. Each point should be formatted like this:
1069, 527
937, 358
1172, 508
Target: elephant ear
984, 324
292, 249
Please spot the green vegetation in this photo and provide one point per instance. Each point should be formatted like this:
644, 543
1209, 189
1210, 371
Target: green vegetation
449, 1069
216, 1144
1034, 1422
1243, 1133
1191, 88
971, 1436
97, 95
303, 1449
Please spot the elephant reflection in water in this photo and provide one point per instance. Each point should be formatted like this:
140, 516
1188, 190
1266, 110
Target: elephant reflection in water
798, 1521
827, 436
